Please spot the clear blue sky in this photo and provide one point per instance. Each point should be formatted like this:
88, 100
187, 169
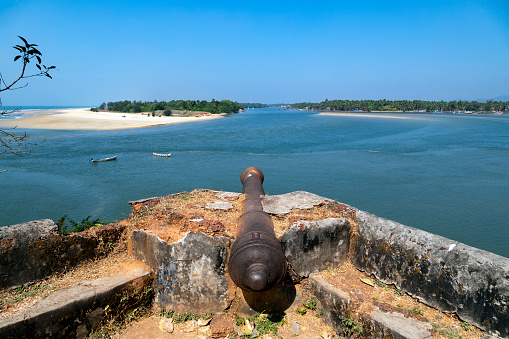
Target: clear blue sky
258, 51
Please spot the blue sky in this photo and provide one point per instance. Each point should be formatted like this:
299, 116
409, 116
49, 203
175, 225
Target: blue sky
258, 51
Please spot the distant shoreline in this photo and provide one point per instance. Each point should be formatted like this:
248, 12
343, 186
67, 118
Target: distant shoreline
395, 115
366, 115
84, 119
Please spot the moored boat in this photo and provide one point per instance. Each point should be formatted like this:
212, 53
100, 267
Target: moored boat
105, 159
167, 155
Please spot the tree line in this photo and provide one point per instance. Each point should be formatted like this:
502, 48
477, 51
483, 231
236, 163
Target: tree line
253, 105
405, 105
214, 107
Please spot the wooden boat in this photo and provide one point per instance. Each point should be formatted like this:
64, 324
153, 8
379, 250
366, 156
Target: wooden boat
105, 159
162, 155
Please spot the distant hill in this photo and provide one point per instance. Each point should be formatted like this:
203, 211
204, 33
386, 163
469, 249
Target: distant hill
503, 98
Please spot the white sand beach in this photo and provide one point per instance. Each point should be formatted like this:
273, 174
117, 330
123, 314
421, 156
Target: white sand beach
84, 119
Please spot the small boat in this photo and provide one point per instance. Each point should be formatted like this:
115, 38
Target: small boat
162, 155
105, 159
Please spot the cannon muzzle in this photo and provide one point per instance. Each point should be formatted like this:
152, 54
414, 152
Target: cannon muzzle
257, 262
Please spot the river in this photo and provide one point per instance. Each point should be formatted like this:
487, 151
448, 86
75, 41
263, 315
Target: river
446, 174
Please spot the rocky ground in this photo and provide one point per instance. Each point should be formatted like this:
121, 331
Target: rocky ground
172, 217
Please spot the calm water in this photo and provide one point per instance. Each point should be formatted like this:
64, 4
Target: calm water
444, 174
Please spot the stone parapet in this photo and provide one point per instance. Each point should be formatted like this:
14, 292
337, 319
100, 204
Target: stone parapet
35, 250
441, 272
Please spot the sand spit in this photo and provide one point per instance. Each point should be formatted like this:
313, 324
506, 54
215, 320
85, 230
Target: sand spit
84, 119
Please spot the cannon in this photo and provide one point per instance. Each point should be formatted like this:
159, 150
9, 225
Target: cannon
257, 262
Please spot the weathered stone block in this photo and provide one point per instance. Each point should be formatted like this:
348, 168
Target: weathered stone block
284, 203
313, 246
190, 274
443, 273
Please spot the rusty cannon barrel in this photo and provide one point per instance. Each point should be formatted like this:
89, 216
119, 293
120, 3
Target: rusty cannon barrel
257, 262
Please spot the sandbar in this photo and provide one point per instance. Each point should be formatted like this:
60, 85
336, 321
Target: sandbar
84, 119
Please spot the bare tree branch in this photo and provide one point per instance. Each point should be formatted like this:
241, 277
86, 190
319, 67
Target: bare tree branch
9, 141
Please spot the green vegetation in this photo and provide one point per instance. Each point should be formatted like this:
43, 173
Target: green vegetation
23, 292
214, 107
67, 225
397, 291
264, 324
132, 306
416, 310
185, 196
239, 321
380, 284
268, 324
311, 304
182, 317
350, 326
404, 105
447, 332
301, 311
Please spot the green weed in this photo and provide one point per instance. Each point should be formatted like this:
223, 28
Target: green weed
465, 326
311, 304
351, 326
301, 312
67, 225
266, 324
23, 292
131, 306
239, 321
183, 317
380, 283
185, 196
416, 310
447, 332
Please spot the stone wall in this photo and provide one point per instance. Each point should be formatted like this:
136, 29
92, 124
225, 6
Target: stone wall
441, 272
34, 250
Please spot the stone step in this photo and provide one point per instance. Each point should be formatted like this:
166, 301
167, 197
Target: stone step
77, 310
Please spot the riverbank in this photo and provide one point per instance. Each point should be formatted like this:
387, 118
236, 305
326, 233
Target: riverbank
394, 115
84, 119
